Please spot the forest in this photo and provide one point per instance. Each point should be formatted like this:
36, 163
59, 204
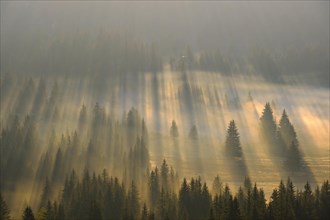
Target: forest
164, 110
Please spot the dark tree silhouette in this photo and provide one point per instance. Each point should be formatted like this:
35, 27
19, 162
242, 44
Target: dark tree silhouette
28, 214
45, 194
268, 131
82, 115
164, 171
286, 130
233, 145
289, 141
193, 134
144, 212
104, 198
174, 129
217, 187
4, 210
56, 176
154, 187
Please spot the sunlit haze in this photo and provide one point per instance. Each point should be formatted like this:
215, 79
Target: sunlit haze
109, 109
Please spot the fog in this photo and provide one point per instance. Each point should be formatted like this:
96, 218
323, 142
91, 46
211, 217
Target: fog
234, 27
121, 86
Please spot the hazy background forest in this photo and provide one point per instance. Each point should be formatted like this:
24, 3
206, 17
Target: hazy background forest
107, 106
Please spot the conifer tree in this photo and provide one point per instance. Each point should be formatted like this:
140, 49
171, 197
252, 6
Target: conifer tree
144, 213
183, 197
174, 130
133, 200
45, 194
28, 214
193, 134
217, 185
164, 175
324, 211
154, 187
233, 145
307, 200
268, 130
286, 130
82, 115
56, 176
4, 210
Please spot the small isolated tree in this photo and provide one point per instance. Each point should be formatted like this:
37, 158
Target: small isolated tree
193, 134
28, 214
174, 129
82, 115
233, 146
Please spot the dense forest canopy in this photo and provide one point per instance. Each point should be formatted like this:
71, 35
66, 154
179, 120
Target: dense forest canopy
164, 110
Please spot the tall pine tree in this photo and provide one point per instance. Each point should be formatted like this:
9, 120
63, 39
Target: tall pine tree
233, 145
268, 131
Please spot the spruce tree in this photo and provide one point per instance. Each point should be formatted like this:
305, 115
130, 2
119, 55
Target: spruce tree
307, 202
233, 146
193, 134
217, 185
28, 214
164, 175
268, 130
144, 213
183, 197
286, 130
174, 130
82, 115
289, 142
4, 210
45, 194
325, 200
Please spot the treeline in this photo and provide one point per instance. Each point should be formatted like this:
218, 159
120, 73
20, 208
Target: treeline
114, 54
300, 64
211, 61
81, 53
105, 197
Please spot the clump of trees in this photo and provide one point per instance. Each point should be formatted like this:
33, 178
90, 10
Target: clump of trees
104, 197
280, 139
122, 146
